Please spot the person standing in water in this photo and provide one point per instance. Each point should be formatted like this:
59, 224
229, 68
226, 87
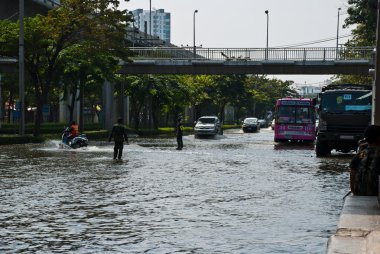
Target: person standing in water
179, 134
119, 134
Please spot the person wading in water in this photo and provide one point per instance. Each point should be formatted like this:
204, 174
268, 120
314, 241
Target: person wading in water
119, 135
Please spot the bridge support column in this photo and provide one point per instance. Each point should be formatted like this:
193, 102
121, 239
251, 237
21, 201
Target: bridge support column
108, 106
126, 110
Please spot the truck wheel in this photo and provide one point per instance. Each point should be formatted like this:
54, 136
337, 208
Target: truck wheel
322, 149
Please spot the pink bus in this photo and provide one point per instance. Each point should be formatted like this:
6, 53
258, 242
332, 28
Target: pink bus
294, 120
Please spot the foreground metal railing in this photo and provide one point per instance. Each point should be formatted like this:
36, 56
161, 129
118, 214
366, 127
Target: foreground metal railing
255, 54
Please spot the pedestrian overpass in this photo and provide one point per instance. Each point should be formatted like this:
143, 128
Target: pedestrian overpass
9, 8
177, 60
305, 61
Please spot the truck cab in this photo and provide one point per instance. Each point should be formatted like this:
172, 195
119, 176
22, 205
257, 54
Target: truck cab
344, 113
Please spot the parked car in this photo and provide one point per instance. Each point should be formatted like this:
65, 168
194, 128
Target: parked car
207, 126
251, 124
263, 123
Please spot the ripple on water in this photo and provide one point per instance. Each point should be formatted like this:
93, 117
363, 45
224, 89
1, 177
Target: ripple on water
233, 194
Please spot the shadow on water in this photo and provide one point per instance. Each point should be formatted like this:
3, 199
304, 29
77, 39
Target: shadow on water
336, 163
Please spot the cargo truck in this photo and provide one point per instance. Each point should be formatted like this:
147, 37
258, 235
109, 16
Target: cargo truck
344, 112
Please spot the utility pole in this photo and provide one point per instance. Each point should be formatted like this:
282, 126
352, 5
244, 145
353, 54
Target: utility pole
21, 69
195, 47
150, 17
337, 35
266, 49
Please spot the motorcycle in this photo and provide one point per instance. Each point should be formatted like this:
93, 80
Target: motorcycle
77, 142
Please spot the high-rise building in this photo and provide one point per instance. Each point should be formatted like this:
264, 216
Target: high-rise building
160, 23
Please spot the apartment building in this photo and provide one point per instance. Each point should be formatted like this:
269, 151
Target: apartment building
160, 23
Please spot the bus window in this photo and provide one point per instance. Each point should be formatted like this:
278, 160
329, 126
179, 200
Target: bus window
286, 115
304, 115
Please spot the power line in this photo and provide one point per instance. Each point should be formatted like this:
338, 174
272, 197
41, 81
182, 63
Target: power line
313, 42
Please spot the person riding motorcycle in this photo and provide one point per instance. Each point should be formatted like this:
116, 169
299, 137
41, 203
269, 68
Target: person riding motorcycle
74, 130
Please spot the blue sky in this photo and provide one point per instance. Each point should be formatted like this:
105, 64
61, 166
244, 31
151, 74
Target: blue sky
242, 23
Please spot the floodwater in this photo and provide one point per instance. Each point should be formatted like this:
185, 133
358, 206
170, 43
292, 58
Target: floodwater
236, 193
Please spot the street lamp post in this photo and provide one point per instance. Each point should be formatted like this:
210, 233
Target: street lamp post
150, 17
266, 50
21, 67
134, 28
195, 50
337, 34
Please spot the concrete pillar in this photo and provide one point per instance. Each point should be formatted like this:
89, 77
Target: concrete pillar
108, 106
62, 109
76, 116
126, 110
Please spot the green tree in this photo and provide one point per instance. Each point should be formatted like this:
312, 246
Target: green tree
136, 88
98, 24
363, 15
225, 89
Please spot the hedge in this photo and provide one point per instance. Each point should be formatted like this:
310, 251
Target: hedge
15, 139
46, 128
54, 130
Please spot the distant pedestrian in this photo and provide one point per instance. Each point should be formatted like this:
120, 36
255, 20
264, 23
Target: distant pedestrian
119, 134
365, 166
179, 133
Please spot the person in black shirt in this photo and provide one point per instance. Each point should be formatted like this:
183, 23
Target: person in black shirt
179, 134
119, 135
365, 166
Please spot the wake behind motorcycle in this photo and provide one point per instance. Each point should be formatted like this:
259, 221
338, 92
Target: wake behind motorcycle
77, 142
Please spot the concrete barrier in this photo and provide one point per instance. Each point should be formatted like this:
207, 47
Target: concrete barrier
358, 228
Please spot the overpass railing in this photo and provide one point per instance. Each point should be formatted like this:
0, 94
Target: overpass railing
255, 54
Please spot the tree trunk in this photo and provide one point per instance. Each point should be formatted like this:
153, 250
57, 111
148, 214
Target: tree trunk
38, 121
71, 106
81, 107
221, 111
41, 97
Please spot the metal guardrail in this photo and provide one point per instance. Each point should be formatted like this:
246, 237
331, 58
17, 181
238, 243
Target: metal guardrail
255, 54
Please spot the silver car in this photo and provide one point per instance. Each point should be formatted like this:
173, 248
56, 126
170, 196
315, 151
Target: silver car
207, 126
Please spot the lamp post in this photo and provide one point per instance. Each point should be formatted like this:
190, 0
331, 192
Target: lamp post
133, 26
337, 34
195, 50
266, 50
21, 66
150, 17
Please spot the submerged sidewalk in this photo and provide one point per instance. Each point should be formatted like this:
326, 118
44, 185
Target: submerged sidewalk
358, 228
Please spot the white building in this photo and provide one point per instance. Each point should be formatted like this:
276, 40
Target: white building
160, 23
310, 90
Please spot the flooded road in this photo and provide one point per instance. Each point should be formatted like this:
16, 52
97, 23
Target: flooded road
237, 193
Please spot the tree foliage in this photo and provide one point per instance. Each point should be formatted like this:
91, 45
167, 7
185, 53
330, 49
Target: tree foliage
95, 27
363, 15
